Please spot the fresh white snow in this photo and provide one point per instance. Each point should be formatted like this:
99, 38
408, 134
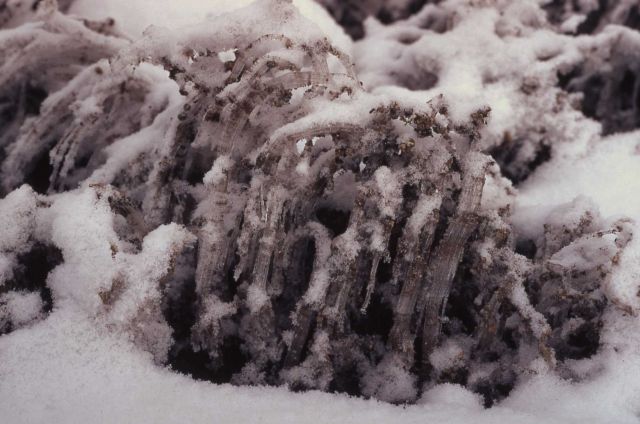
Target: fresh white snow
68, 369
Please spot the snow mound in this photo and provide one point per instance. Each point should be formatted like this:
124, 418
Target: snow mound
202, 200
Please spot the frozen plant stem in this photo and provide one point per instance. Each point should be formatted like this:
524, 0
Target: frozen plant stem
448, 253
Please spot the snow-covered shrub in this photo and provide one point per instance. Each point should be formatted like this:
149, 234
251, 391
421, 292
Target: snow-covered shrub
38, 59
232, 192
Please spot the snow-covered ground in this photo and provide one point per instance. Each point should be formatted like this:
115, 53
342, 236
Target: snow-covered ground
71, 367
64, 369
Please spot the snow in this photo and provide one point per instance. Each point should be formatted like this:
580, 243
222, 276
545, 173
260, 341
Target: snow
256, 298
66, 369
20, 308
627, 275
18, 215
391, 369
611, 394
18, 212
96, 357
164, 94
389, 188
134, 16
447, 355
427, 206
606, 171
217, 173
538, 322
586, 253
86, 247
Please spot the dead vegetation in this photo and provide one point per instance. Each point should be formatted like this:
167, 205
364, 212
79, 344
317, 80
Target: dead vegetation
343, 240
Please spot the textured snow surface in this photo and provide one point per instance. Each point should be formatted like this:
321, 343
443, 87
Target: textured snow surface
134, 16
95, 357
606, 171
66, 369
